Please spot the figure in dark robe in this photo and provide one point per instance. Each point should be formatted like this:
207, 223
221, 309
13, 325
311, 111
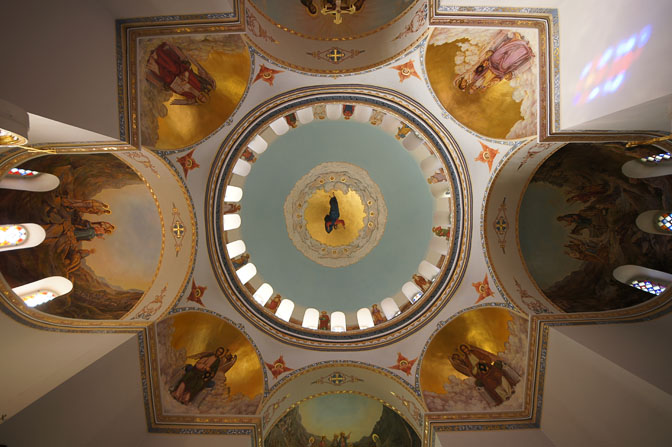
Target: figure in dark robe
201, 374
168, 67
492, 375
331, 220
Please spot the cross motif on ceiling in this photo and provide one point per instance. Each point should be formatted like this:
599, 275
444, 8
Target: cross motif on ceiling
336, 55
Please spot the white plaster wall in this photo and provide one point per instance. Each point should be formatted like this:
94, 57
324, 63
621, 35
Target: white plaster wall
591, 401
36, 361
632, 346
100, 406
59, 62
499, 438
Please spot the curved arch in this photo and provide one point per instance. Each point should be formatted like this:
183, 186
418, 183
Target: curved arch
320, 379
285, 309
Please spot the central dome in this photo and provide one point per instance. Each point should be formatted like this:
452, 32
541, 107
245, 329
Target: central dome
338, 219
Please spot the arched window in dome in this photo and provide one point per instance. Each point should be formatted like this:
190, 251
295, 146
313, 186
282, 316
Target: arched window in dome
311, 318
231, 221
242, 168
280, 126
12, 235
263, 293
338, 322
412, 292
364, 318
39, 292
648, 286
246, 273
235, 248
258, 145
655, 222
428, 270
22, 173
653, 166
657, 158
649, 280
390, 308
233, 194
285, 310
20, 236
28, 180
665, 222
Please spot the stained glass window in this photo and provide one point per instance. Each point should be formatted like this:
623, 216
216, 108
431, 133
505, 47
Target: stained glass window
12, 235
22, 172
39, 297
658, 158
665, 222
648, 286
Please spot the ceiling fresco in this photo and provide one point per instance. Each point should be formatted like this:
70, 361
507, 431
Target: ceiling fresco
342, 420
405, 229
577, 225
206, 366
91, 224
398, 184
305, 17
191, 86
486, 78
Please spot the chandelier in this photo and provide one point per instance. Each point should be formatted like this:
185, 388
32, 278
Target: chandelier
337, 8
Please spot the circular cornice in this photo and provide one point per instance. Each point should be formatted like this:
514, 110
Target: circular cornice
434, 135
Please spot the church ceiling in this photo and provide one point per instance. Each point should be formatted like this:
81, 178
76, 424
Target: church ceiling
381, 161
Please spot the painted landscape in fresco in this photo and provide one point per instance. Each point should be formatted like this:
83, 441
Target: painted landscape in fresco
476, 362
100, 217
189, 86
342, 420
577, 224
207, 366
486, 78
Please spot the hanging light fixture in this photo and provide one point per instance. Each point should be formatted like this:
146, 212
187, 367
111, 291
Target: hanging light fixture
337, 8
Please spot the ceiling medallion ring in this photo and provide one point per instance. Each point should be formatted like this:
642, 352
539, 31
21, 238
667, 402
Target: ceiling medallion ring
444, 284
361, 203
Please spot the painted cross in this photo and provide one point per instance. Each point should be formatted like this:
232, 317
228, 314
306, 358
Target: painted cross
178, 230
501, 225
336, 55
336, 379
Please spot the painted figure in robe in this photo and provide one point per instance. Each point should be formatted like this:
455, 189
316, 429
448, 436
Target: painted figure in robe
202, 373
492, 375
170, 68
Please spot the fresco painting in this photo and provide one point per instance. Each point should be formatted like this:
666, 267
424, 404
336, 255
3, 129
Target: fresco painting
355, 17
207, 366
486, 78
577, 224
342, 420
189, 86
475, 362
94, 222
